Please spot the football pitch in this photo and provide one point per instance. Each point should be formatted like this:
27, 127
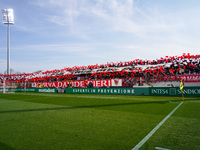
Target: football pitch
34, 121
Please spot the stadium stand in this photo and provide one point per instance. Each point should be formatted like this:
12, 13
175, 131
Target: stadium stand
143, 72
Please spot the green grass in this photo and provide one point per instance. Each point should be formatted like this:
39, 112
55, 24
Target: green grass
112, 122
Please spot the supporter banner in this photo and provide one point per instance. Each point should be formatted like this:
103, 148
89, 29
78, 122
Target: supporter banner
116, 82
132, 81
115, 91
167, 78
79, 84
189, 78
185, 78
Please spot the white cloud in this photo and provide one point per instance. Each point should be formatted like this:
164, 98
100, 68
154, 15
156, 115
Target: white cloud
86, 17
87, 13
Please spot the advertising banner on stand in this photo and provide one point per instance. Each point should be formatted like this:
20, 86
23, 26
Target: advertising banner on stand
111, 91
174, 91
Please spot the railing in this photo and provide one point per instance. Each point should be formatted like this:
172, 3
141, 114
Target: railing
124, 82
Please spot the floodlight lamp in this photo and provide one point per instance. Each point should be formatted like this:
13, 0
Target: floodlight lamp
8, 17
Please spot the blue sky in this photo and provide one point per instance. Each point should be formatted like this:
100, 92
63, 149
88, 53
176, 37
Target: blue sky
53, 34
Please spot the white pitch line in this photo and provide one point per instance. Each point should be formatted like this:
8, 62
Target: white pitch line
155, 129
160, 148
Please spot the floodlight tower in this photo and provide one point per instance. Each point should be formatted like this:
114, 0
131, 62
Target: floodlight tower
8, 18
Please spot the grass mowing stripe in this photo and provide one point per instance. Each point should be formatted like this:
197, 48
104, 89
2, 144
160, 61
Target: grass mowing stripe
78, 96
156, 128
92, 96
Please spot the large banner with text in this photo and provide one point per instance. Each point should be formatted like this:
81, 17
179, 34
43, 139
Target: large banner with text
110, 91
80, 84
174, 91
189, 78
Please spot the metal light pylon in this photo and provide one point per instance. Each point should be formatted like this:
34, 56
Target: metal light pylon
8, 18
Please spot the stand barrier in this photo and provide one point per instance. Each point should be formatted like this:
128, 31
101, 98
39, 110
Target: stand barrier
151, 91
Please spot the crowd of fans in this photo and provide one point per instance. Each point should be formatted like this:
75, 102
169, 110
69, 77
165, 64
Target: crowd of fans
167, 66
